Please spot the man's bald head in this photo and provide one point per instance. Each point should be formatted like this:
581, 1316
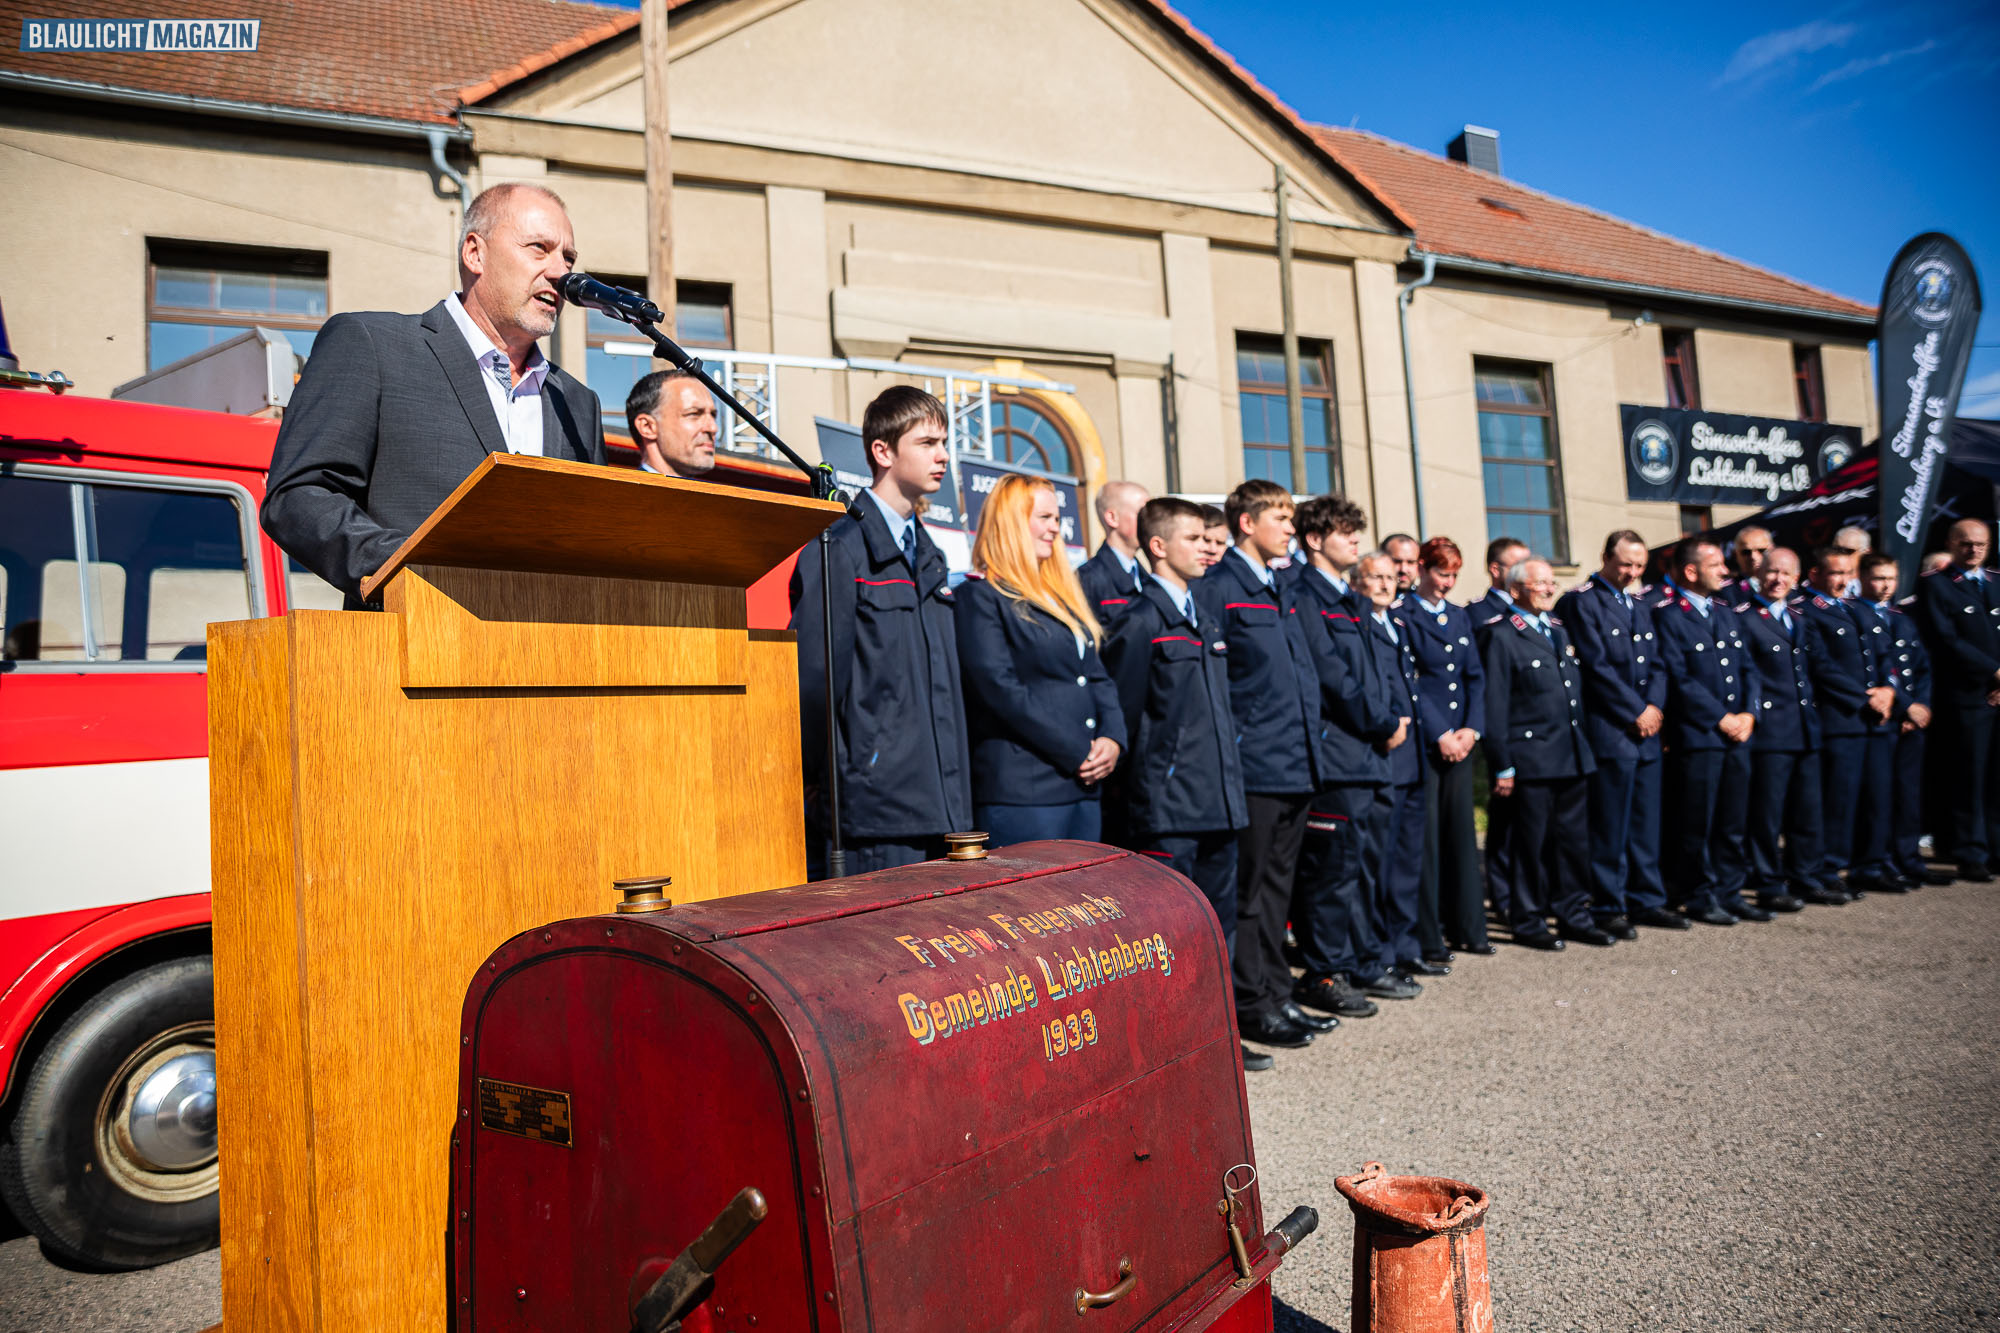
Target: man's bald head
1778, 576
1118, 504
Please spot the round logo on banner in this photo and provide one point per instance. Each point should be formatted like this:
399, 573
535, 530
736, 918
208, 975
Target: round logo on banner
1833, 455
1655, 454
1934, 284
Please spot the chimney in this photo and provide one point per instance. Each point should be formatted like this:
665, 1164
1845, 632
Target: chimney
1477, 147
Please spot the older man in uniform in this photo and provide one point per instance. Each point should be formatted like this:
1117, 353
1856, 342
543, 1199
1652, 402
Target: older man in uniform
1711, 713
1541, 762
1784, 749
1959, 610
1502, 554
1624, 706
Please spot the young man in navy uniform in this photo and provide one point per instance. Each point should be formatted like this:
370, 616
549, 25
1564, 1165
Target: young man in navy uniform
905, 778
1785, 803
1116, 575
1273, 695
1711, 714
1336, 897
1958, 609
1180, 783
1905, 667
1624, 708
1400, 882
1540, 757
1855, 706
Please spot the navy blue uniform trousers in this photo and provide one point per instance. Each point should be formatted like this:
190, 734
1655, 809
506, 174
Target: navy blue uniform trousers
1625, 837
1854, 782
1209, 859
1786, 810
1713, 787
1332, 910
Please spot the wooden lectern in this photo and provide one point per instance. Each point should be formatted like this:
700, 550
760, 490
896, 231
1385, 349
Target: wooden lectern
563, 692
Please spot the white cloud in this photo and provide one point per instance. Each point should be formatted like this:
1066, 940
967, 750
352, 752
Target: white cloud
1981, 395
1773, 48
1862, 66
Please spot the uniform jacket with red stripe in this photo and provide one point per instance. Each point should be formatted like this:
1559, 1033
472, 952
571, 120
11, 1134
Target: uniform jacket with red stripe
1273, 681
904, 768
1359, 702
1181, 773
1108, 586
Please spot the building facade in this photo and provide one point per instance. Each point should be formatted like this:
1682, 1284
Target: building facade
1076, 192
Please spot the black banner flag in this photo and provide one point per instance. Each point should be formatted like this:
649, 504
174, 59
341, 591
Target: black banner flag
1930, 312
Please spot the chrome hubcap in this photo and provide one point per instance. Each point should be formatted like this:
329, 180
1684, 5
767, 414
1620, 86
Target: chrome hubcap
172, 1125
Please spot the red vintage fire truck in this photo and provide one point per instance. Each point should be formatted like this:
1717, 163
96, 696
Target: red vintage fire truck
124, 530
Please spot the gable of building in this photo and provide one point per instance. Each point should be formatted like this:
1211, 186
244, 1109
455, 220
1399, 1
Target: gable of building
1112, 96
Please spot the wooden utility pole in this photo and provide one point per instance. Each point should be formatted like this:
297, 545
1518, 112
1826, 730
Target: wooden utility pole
1295, 407
659, 160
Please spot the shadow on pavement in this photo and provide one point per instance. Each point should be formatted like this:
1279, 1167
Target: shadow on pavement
1290, 1320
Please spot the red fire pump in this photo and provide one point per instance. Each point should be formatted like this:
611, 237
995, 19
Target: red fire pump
993, 1093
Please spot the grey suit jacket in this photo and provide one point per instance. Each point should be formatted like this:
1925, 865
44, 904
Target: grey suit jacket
389, 417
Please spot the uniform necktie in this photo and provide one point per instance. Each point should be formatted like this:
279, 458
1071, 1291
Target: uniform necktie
910, 544
1138, 581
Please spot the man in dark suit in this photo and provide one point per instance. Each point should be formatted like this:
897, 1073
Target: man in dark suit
394, 411
1115, 576
904, 762
1711, 714
1541, 761
1785, 799
1624, 707
1959, 610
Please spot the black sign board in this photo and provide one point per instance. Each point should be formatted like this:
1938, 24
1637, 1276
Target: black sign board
1721, 458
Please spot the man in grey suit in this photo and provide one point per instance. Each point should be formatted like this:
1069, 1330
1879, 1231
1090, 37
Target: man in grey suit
394, 411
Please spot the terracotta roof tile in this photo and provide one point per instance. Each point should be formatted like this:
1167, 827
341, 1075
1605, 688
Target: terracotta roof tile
400, 59
1458, 210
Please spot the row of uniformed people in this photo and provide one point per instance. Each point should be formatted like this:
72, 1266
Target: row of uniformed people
1714, 760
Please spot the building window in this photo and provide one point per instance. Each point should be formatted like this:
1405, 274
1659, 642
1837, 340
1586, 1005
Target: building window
1027, 436
200, 295
1677, 357
1519, 457
701, 319
1267, 435
1811, 383
1696, 519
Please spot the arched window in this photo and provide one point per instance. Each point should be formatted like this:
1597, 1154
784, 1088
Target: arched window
1027, 434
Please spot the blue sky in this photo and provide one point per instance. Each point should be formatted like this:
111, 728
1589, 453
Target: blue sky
1809, 140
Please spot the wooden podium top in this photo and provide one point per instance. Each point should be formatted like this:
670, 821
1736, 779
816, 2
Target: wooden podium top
549, 516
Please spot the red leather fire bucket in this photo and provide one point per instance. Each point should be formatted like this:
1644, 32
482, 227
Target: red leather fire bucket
1419, 1254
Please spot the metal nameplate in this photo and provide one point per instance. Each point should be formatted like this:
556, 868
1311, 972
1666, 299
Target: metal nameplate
531, 1113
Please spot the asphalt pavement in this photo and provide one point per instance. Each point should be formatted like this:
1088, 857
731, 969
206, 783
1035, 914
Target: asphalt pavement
1780, 1127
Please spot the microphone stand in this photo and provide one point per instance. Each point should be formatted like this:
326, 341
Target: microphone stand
823, 488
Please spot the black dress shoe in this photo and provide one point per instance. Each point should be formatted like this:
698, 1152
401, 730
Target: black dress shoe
1712, 916
1618, 927
1254, 1061
1931, 874
1823, 897
1442, 957
1310, 1022
1332, 995
1886, 884
1483, 949
1417, 967
1547, 941
1659, 918
1779, 902
1745, 912
1591, 935
1975, 874
1275, 1031
1389, 986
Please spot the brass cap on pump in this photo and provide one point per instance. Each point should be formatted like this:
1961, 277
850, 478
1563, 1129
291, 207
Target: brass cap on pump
965, 846
644, 895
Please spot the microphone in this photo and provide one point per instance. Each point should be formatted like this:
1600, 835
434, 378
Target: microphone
581, 289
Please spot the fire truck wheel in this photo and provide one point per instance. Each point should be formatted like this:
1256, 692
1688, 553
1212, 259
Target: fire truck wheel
110, 1156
